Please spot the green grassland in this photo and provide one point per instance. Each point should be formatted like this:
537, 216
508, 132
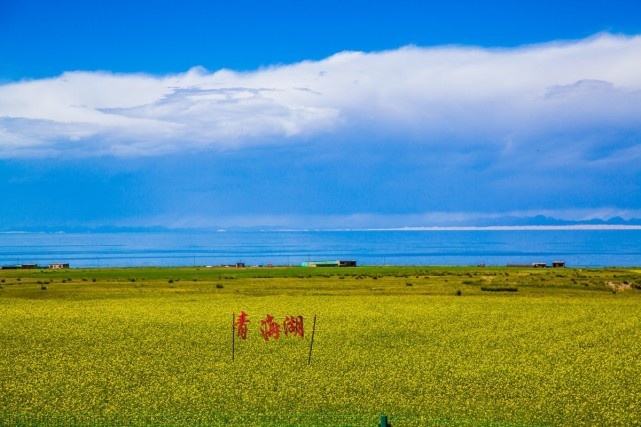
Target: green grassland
425, 345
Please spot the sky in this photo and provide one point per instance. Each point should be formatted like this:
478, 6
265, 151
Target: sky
309, 114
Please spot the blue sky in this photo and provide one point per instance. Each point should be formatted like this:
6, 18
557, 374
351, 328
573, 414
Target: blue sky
317, 114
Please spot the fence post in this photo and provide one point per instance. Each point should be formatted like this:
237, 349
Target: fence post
311, 344
233, 333
384, 422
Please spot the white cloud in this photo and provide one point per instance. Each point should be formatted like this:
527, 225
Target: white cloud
501, 97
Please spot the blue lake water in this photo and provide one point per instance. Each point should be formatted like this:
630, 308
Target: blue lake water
594, 248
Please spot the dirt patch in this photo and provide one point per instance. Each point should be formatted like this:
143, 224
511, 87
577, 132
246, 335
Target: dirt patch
619, 287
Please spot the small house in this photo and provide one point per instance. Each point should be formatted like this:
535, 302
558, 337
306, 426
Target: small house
320, 264
59, 265
28, 266
558, 264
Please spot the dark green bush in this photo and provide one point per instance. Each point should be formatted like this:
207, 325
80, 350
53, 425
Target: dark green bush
498, 289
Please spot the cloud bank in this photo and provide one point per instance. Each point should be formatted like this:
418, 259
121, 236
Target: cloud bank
580, 98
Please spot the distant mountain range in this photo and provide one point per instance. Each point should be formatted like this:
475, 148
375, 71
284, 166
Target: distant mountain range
541, 220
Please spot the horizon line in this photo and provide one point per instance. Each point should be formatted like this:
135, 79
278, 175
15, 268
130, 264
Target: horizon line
155, 229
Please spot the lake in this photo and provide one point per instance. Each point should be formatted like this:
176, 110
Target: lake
577, 247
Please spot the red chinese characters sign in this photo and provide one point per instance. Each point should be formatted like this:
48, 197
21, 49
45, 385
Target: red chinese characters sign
294, 326
270, 328
241, 324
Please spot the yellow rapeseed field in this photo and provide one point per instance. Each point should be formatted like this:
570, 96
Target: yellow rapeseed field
424, 347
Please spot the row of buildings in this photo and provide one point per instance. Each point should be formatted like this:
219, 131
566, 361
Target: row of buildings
555, 264
338, 263
54, 266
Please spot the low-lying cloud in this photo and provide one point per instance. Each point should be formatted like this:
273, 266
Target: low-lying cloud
583, 94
